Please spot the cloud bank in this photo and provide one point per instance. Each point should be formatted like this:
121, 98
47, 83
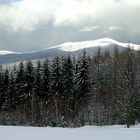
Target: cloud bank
23, 21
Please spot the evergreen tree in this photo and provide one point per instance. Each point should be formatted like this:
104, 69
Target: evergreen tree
37, 97
82, 77
131, 91
6, 89
1, 85
138, 87
56, 87
38, 79
20, 84
68, 86
12, 102
29, 81
45, 84
100, 90
82, 85
29, 78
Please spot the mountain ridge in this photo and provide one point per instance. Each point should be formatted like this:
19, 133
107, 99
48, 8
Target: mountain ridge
75, 46
63, 49
94, 43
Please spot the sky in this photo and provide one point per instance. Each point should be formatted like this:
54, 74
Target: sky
27, 25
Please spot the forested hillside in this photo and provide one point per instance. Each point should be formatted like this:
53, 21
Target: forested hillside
103, 89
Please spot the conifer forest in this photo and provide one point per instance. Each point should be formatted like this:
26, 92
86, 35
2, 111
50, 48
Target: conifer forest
72, 91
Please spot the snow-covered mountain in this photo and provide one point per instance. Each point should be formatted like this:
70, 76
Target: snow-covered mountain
104, 42
63, 49
5, 52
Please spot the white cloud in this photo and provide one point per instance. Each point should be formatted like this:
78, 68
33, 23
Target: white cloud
115, 28
131, 2
89, 28
26, 15
112, 29
73, 12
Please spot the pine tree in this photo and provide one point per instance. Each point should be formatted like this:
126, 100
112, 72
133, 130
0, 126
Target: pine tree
56, 87
1, 86
20, 84
6, 89
82, 85
115, 67
68, 86
45, 84
37, 97
117, 89
138, 87
82, 76
29, 81
132, 89
38, 79
12, 102
45, 88
29, 78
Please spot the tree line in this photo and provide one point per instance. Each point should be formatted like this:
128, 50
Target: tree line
103, 89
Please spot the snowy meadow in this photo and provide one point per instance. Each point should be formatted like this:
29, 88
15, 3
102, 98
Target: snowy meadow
83, 133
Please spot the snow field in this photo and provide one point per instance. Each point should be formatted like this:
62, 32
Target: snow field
84, 133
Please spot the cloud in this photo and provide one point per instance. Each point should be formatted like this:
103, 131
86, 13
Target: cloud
26, 15
3, 1
32, 24
89, 28
115, 28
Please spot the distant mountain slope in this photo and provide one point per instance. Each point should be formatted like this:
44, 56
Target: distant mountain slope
104, 42
5, 52
64, 49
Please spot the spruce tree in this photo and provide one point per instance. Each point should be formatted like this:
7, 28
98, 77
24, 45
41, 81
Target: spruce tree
38, 79
68, 83
1, 86
12, 102
56, 87
20, 84
29, 82
45, 84
6, 89
131, 83
29, 78
82, 85
38, 93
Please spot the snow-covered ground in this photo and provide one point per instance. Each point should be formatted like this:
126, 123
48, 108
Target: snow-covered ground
85, 133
